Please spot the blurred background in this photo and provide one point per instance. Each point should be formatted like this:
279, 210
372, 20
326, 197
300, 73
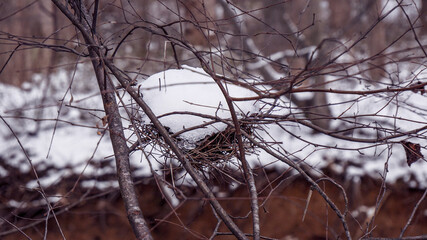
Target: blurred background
47, 90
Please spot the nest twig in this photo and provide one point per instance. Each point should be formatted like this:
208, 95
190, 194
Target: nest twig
217, 148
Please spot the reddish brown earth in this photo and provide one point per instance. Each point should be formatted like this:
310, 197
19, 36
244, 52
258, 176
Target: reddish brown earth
281, 214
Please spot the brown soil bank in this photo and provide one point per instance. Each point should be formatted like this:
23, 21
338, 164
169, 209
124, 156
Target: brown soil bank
283, 199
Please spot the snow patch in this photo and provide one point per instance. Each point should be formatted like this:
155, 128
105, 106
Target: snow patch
176, 93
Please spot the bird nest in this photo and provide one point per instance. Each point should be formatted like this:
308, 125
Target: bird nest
217, 148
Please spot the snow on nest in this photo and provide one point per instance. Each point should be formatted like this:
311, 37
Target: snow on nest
192, 90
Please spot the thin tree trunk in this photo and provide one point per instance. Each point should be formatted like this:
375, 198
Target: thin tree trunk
120, 148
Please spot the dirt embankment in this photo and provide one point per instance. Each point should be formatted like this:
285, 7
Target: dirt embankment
102, 217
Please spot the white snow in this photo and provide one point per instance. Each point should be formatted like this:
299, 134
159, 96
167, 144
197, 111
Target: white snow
192, 90
76, 137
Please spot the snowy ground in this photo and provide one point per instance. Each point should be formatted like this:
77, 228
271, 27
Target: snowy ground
71, 137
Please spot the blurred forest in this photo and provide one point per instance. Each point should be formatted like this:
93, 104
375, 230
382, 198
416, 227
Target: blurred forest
320, 22
295, 55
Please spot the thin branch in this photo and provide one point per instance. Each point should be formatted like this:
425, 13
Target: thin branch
413, 213
41, 189
314, 185
242, 156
